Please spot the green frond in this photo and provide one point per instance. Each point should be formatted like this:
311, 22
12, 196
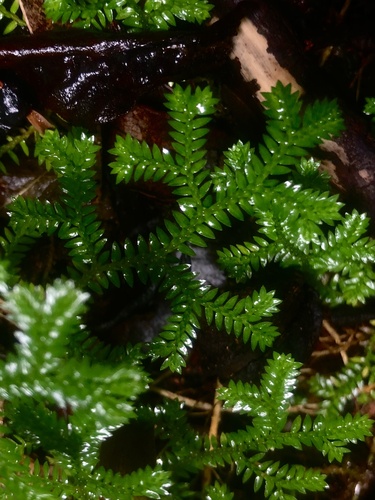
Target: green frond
285, 482
183, 444
243, 317
176, 338
30, 219
49, 479
66, 391
135, 160
45, 320
12, 16
72, 157
330, 436
148, 483
283, 107
218, 492
308, 175
97, 14
293, 222
294, 216
17, 240
68, 154
15, 146
326, 207
134, 14
347, 385
17, 481
161, 15
339, 389
240, 261
42, 427
346, 257
370, 107
268, 403
290, 132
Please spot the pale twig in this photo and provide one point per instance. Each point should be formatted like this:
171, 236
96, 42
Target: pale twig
216, 416
213, 432
191, 403
336, 337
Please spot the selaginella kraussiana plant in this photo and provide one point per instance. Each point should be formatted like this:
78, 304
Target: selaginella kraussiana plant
65, 393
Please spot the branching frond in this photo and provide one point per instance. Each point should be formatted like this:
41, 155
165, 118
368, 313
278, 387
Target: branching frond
22, 233
291, 217
15, 147
176, 338
268, 403
12, 14
151, 14
354, 382
289, 132
370, 107
45, 320
243, 316
268, 406
349, 256
218, 492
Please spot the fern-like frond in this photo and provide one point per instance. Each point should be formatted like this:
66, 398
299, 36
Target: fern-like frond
21, 477
370, 107
285, 481
176, 338
163, 15
339, 389
242, 317
66, 392
349, 257
97, 14
290, 216
218, 492
293, 224
147, 483
11, 12
42, 427
18, 239
134, 14
290, 132
33, 479
46, 319
268, 407
72, 157
190, 113
308, 175
15, 146
347, 386
240, 261
135, 160
268, 403
297, 213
